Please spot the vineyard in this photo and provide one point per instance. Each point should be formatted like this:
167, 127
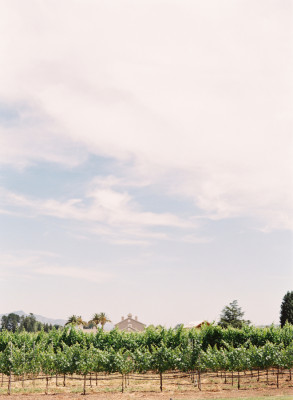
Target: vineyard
197, 359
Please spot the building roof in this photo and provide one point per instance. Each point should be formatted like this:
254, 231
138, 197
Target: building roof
196, 324
130, 322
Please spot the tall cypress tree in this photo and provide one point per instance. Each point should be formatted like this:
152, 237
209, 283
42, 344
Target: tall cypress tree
286, 313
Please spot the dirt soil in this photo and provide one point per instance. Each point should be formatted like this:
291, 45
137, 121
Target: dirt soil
186, 395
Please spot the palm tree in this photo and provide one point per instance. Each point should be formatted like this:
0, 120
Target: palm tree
103, 319
72, 320
75, 320
96, 319
80, 321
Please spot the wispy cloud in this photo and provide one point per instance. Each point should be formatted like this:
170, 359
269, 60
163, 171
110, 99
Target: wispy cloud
106, 206
32, 264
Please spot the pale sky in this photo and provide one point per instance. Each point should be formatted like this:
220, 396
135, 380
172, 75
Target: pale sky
145, 158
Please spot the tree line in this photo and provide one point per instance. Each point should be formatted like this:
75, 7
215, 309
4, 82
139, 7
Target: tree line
97, 319
16, 323
231, 316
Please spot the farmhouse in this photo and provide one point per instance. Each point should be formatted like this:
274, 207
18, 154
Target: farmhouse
130, 324
196, 324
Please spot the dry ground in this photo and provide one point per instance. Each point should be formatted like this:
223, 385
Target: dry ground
177, 388
277, 394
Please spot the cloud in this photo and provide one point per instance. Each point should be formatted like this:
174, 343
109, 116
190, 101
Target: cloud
106, 210
105, 205
32, 264
202, 111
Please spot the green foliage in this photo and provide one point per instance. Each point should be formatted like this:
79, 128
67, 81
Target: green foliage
231, 315
286, 314
72, 351
10, 322
13, 322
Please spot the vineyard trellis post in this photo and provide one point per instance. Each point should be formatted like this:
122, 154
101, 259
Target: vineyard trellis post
47, 384
198, 379
84, 385
33, 377
9, 378
23, 375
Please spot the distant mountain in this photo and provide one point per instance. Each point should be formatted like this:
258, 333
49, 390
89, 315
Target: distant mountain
39, 318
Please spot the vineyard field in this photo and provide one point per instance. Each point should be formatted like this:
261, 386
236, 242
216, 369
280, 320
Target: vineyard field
209, 359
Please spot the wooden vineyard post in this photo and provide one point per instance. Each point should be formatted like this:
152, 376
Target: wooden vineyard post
238, 380
232, 378
161, 381
90, 379
258, 375
267, 376
33, 376
47, 384
198, 380
290, 375
9, 384
64, 382
96, 379
122, 387
56, 380
84, 385
9, 379
225, 381
23, 375
278, 378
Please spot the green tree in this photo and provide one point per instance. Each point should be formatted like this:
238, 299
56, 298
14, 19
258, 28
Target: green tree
75, 320
10, 322
95, 320
29, 323
231, 315
286, 314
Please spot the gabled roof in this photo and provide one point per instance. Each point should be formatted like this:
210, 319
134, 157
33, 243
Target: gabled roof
130, 319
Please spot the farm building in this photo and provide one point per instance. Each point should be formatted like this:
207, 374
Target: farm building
130, 324
195, 324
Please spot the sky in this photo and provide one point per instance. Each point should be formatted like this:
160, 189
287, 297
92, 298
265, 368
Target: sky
145, 158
